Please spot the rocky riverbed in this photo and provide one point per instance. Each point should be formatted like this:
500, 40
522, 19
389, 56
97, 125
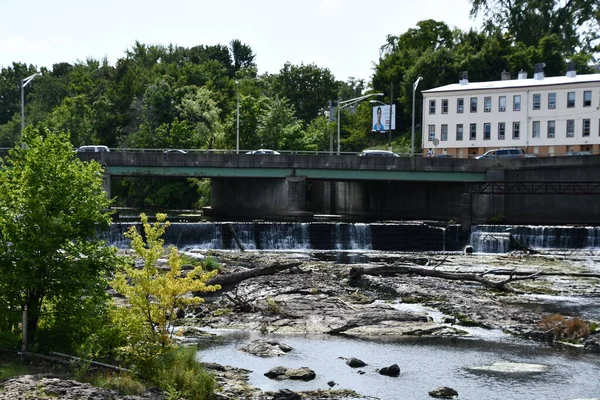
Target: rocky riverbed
319, 296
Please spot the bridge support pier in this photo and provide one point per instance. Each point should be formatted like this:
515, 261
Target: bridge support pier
106, 183
268, 198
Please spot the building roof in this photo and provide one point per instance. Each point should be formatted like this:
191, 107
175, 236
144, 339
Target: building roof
517, 83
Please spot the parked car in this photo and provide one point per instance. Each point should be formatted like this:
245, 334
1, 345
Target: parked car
442, 156
263, 151
378, 153
514, 152
580, 153
92, 149
175, 151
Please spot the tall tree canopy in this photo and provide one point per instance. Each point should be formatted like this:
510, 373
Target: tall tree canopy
575, 22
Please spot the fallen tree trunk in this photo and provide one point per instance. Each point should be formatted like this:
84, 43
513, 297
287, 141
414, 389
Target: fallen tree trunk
502, 285
236, 277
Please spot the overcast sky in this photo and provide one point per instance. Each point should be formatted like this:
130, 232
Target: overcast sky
341, 35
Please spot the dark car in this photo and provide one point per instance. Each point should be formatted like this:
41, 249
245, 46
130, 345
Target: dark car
514, 152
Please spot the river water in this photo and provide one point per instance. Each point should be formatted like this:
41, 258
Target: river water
425, 363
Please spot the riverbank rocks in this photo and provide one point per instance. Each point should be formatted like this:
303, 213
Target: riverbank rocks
444, 392
300, 374
512, 368
355, 362
266, 348
393, 370
286, 394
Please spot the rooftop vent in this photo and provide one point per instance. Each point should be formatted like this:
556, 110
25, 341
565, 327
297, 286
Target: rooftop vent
463, 78
571, 73
538, 73
505, 76
522, 74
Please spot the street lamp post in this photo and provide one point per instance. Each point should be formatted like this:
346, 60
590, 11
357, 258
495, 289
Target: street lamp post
412, 139
25, 82
348, 103
237, 130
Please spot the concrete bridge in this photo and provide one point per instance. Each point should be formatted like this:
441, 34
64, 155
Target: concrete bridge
544, 190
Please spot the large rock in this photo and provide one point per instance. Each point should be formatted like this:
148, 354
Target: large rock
355, 362
444, 392
301, 374
266, 348
392, 370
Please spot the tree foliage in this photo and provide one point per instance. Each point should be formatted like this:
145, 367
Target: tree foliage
51, 261
154, 296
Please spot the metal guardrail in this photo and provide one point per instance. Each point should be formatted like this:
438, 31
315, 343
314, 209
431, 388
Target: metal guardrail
524, 187
327, 153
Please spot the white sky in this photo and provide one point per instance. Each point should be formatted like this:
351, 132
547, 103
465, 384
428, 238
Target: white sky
341, 35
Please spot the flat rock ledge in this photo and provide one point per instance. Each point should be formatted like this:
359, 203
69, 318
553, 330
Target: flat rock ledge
512, 368
266, 348
43, 387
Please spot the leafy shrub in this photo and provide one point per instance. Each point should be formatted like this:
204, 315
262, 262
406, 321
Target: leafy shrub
497, 219
124, 383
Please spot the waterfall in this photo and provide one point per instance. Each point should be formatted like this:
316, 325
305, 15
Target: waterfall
352, 236
496, 238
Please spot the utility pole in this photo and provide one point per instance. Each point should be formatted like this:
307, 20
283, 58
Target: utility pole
390, 127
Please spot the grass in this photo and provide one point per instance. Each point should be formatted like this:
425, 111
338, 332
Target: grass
124, 383
10, 370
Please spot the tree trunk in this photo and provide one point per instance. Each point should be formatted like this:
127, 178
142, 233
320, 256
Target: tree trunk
33, 315
230, 279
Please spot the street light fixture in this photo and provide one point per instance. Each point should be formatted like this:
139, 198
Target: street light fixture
348, 103
25, 82
412, 139
237, 137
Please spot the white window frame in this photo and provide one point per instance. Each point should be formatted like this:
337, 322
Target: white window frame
570, 128
551, 101
502, 104
516, 130
431, 133
551, 129
501, 130
462, 132
535, 129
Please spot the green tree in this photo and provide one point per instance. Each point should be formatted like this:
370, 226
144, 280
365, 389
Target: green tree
575, 22
155, 296
308, 87
51, 261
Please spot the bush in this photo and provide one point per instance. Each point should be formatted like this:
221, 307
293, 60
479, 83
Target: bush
565, 329
179, 374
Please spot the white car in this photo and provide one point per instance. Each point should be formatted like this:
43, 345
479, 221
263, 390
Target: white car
92, 149
263, 151
378, 153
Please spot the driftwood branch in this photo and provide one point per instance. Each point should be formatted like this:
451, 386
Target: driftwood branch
236, 277
502, 285
68, 360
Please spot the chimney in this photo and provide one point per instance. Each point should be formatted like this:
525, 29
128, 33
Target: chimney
522, 74
538, 73
571, 73
505, 75
463, 78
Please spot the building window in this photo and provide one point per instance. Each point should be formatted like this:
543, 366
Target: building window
473, 104
459, 131
570, 99
502, 103
473, 132
570, 128
444, 132
501, 130
535, 129
431, 133
516, 130
551, 129
586, 127
537, 101
460, 106
444, 106
431, 106
551, 101
487, 131
517, 102
587, 98
487, 104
